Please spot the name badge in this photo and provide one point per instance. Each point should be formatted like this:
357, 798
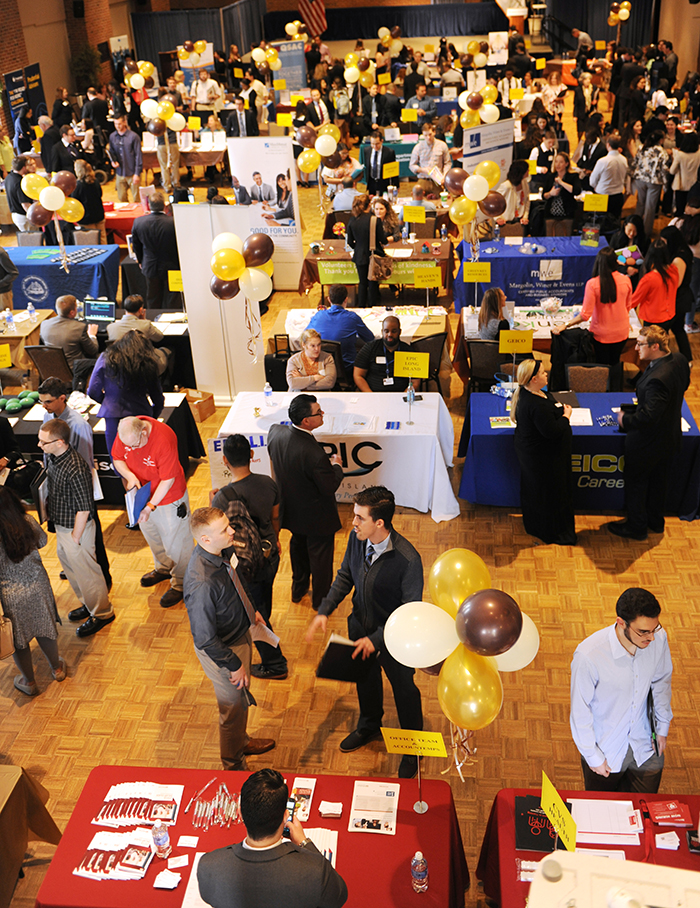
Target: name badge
388, 381
381, 360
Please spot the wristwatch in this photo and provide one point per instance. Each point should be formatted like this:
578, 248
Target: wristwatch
304, 843
153, 507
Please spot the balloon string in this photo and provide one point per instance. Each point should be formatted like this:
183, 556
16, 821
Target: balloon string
463, 749
59, 234
252, 323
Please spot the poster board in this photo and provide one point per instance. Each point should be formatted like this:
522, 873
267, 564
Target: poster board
489, 142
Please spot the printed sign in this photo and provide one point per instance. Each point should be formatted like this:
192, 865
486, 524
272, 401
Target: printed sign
194, 123
390, 169
279, 84
515, 341
5, 357
427, 277
383, 78
475, 272
418, 743
414, 214
411, 365
558, 814
409, 115
175, 281
595, 202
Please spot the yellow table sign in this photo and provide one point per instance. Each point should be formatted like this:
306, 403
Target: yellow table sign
294, 100
600, 45
417, 743
531, 166
558, 814
409, 115
595, 202
279, 84
5, 356
390, 169
414, 214
175, 280
477, 272
383, 78
284, 119
540, 63
427, 277
194, 123
429, 48
517, 94
528, 43
238, 73
515, 342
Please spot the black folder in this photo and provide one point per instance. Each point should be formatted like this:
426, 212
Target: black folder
337, 663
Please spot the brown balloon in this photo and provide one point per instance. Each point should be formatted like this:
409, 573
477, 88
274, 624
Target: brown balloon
494, 204
433, 669
131, 66
454, 180
257, 250
38, 215
148, 82
306, 136
333, 160
65, 180
489, 622
223, 290
175, 99
188, 45
363, 64
395, 32
263, 68
614, 7
484, 47
475, 100
157, 127
467, 60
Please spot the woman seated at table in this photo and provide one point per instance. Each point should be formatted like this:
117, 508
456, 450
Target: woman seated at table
559, 190
631, 234
390, 220
543, 447
311, 369
515, 189
491, 318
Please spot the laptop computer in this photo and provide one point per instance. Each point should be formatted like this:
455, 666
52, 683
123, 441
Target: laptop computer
99, 312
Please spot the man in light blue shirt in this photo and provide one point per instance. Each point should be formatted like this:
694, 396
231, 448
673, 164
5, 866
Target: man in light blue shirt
609, 175
418, 200
426, 107
342, 201
614, 673
338, 324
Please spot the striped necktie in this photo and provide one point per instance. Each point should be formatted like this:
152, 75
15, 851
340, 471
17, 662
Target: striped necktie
369, 555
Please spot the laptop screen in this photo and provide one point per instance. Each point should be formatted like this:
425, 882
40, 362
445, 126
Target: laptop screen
100, 311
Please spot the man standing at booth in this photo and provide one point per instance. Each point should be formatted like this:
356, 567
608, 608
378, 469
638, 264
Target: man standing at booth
124, 150
155, 245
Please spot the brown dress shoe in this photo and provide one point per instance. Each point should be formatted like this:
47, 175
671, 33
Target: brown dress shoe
258, 746
152, 578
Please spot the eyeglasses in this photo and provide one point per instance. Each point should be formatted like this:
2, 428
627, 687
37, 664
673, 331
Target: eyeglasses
645, 633
641, 344
45, 444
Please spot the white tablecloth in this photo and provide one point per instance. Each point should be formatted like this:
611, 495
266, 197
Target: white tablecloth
412, 461
527, 318
411, 318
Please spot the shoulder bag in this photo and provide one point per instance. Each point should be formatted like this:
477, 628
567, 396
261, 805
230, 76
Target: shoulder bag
379, 265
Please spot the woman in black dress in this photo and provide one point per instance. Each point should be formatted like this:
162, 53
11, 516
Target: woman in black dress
543, 446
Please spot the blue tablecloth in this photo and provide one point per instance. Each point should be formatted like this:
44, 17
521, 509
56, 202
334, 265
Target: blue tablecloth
403, 151
517, 274
492, 474
41, 281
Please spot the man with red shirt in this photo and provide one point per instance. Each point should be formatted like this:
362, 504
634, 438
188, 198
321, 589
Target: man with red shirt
145, 450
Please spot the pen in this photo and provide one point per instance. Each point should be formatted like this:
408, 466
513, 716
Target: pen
195, 796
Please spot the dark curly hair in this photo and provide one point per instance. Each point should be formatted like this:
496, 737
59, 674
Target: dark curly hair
131, 360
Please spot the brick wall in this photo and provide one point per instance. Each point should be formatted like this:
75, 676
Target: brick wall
13, 51
94, 28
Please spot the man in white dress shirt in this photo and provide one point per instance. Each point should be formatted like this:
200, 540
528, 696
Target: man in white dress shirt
619, 677
609, 174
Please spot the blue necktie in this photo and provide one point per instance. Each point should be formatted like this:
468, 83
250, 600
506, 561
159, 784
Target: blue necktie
369, 555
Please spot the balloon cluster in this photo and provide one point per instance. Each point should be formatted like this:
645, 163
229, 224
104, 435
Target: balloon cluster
478, 106
53, 197
138, 75
476, 190
320, 147
161, 115
470, 634
359, 68
240, 266
267, 59
297, 31
391, 39
192, 51
619, 12
475, 54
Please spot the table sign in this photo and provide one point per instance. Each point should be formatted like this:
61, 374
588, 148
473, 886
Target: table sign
474, 272
384, 78
5, 357
391, 168
279, 84
528, 43
338, 273
411, 365
558, 814
540, 63
175, 281
429, 48
414, 214
426, 277
531, 165
515, 342
595, 202
416, 743
517, 94
409, 115
194, 123
238, 73
294, 100
284, 119
600, 45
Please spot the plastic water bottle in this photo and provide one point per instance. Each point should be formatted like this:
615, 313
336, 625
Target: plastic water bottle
267, 391
443, 232
80, 314
419, 872
404, 233
161, 839
9, 320
410, 393
496, 231
31, 311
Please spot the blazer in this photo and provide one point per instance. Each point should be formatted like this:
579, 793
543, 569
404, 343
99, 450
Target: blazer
119, 401
312, 113
392, 110
241, 194
378, 186
358, 238
654, 429
251, 124
155, 244
307, 482
380, 102
51, 137
71, 335
64, 158
263, 193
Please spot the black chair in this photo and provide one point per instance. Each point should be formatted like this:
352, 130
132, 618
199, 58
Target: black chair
283, 347
50, 361
342, 383
588, 378
484, 362
433, 345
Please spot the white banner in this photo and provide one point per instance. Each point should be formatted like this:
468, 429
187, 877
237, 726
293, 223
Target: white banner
489, 142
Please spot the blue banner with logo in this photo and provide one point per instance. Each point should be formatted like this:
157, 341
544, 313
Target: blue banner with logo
35, 91
293, 71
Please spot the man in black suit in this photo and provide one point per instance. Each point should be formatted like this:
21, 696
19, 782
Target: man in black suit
412, 79
240, 192
96, 109
155, 245
242, 122
317, 111
392, 106
628, 74
593, 150
378, 157
653, 434
51, 137
373, 108
307, 479
66, 152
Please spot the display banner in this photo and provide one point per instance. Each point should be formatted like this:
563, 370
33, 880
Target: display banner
293, 71
489, 142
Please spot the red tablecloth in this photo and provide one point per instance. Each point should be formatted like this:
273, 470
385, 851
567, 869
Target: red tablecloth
496, 868
376, 868
121, 221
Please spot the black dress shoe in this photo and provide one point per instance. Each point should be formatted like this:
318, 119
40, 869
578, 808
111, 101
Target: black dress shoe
172, 597
79, 614
62, 576
658, 528
408, 767
154, 577
298, 595
355, 741
621, 528
92, 626
268, 674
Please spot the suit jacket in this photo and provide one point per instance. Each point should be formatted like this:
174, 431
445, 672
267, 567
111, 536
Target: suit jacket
312, 113
392, 110
251, 124
71, 335
241, 194
654, 429
96, 110
64, 158
51, 138
409, 84
307, 482
263, 193
380, 101
237, 877
379, 185
155, 244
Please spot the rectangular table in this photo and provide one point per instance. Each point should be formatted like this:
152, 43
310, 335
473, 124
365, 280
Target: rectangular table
402, 150
376, 868
26, 333
562, 270
121, 222
492, 474
41, 281
497, 869
412, 461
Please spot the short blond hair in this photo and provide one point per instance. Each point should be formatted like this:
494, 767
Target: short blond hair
309, 334
204, 517
656, 335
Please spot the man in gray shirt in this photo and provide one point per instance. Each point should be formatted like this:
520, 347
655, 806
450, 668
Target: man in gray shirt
134, 319
76, 338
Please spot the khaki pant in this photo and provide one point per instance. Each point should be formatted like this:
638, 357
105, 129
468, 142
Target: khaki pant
169, 161
82, 570
100, 225
6, 300
122, 186
170, 540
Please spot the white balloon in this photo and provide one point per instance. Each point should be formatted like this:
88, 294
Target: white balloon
383, 32
475, 188
290, 28
149, 109
276, 65
523, 651
624, 14
177, 122
258, 55
480, 60
462, 100
52, 198
227, 241
256, 284
420, 634
396, 47
195, 58
489, 113
352, 74
325, 146
137, 81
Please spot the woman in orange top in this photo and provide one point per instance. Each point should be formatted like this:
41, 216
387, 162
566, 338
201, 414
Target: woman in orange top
655, 296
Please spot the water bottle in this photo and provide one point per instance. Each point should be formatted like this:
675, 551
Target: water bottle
267, 391
9, 320
31, 311
419, 872
161, 839
496, 231
404, 233
443, 232
410, 393
80, 313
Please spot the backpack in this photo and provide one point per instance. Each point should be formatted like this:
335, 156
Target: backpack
342, 103
247, 542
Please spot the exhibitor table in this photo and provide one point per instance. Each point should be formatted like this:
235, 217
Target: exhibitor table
41, 280
120, 220
497, 861
561, 270
492, 474
412, 461
402, 150
26, 333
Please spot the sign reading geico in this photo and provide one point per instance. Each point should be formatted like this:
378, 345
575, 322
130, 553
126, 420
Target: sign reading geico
603, 464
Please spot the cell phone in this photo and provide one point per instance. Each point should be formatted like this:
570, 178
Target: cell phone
291, 807
417, 397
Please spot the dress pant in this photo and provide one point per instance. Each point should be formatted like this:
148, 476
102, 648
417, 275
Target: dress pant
367, 291
170, 540
370, 692
158, 294
615, 203
312, 563
644, 778
98, 225
648, 195
82, 570
101, 552
169, 162
122, 187
233, 704
646, 478
260, 592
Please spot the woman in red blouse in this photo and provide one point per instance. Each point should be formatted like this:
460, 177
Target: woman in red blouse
655, 296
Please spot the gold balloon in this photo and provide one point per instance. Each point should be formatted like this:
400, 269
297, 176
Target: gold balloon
268, 267
146, 69
470, 691
469, 118
626, 5
329, 129
309, 160
200, 47
271, 54
473, 48
489, 93
366, 79
490, 171
72, 210
228, 264
462, 210
613, 19
351, 60
183, 54
166, 110
457, 573
386, 40
32, 184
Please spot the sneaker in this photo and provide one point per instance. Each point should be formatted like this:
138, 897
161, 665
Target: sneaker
355, 741
692, 329
268, 674
59, 674
21, 683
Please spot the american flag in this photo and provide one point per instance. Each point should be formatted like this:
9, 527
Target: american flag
313, 14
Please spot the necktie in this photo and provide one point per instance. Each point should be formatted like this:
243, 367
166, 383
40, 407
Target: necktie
320, 115
375, 165
249, 610
241, 124
374, 111
369, 555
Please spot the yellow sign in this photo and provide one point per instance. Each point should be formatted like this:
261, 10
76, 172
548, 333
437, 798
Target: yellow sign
5, 356
194, 123
284, 119
427, 277
414, 214
683, 105
246, 104
175, 280
409, 115
418, 743
528, 43
600, 45
517, 94
595, 202
294, 100
515, 342
383, 78
279, 84
237, 73
477, 272
540, 63
429, 48
557, 814
531, 166
390, 169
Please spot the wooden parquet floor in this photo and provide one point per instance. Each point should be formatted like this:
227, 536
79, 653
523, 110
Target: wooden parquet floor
135, 693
